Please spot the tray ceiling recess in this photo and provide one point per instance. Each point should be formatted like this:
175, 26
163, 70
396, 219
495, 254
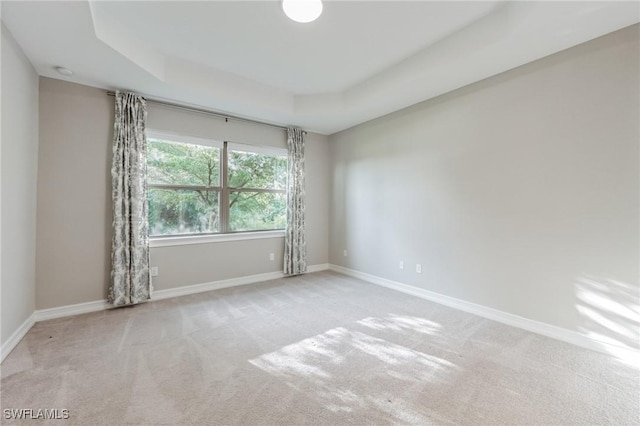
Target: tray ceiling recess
357, 61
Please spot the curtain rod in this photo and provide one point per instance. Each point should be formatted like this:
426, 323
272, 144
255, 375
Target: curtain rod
206, 111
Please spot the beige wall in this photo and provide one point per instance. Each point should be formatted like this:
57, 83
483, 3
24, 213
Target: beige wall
74, 206
74, 202
200, 263
19, 164
519, 193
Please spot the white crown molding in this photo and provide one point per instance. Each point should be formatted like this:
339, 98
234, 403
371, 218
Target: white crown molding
548, 330
505, 37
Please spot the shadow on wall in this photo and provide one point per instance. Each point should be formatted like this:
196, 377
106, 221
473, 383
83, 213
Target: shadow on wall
610, 313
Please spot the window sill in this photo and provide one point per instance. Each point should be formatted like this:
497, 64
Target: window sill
217, 238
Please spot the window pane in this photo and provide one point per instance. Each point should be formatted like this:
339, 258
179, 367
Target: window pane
174, 212
174, 163
253, 211
251, 170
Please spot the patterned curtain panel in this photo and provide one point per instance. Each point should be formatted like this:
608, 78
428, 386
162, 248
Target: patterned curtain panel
130, 280
295, 244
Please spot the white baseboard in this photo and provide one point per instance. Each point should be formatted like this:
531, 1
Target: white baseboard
533, 326
17, 335
231, 282
69, 310
214, 285
537, 327
318, 268
99, 305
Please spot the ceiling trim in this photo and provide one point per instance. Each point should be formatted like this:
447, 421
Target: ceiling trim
510, 35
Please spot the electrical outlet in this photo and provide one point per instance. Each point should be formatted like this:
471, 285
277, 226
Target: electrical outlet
345, 253
401, 264
154, 271
418, 268
272, 256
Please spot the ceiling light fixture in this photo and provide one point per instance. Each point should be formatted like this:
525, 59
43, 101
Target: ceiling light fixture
302, 10
63, 71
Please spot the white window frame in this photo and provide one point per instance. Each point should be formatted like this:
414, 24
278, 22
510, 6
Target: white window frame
223, 190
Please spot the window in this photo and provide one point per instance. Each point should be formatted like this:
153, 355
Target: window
198, 186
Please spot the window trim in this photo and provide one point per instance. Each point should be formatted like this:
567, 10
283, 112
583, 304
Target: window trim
175, 137
188, 239
223, 190
256, 149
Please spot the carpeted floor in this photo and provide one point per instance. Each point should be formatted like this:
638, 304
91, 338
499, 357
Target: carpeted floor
320, 349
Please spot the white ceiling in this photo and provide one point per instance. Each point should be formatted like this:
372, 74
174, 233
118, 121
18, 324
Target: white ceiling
257, 41
358, 61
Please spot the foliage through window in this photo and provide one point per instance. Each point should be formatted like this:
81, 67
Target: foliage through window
204, 187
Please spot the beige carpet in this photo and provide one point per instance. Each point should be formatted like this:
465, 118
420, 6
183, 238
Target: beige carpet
317, 349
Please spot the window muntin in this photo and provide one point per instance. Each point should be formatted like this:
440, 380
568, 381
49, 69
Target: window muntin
199, 187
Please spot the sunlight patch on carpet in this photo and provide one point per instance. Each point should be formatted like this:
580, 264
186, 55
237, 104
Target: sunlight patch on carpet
343, 369
401, 322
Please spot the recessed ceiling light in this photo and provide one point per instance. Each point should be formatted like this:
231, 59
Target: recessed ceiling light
302, 10
63, 71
